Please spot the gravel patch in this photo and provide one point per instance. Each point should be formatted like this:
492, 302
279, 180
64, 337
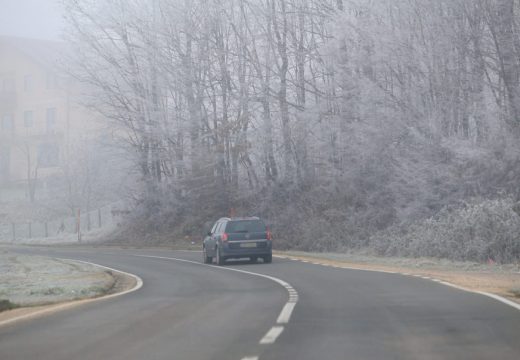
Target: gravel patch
36, 280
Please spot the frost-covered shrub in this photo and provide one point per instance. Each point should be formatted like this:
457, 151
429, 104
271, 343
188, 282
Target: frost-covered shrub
479, 231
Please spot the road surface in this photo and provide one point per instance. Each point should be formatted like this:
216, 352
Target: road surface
186, 310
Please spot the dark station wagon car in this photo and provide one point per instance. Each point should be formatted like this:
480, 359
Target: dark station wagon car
235, 238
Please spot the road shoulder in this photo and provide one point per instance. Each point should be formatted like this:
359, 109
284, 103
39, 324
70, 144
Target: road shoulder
503, 281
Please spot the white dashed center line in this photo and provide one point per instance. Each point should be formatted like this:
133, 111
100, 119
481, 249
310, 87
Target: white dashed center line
271, 335
285, 314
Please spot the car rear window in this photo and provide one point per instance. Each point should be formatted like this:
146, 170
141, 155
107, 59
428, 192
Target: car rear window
245, 226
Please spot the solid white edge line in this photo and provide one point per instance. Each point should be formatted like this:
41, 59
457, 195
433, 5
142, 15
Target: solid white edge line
138, 285
369, 270
250, 358
288, 312
293, 295
272, 335
490, 295
499, 298
346, 267
73, 303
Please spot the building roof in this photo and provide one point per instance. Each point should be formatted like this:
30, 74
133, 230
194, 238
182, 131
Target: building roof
47, 53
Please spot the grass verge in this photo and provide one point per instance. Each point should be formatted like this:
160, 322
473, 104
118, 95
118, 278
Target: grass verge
7, 305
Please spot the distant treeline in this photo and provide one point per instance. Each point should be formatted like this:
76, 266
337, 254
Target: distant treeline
338, 121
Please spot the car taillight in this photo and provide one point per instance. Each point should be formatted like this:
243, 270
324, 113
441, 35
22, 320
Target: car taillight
269, 236
224, 237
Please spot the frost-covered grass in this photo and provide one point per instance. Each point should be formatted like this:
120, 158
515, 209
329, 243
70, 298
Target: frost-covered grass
36, 280
484, 231
93, 236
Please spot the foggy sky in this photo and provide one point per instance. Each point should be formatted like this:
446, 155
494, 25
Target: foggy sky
31, 18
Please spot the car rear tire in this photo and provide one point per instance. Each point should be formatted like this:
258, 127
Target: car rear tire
253, 259
268, 259
207, 259
220, 259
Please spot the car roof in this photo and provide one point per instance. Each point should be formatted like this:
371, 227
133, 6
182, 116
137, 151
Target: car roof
239, 218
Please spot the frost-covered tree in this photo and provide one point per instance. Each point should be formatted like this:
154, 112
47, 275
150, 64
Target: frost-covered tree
361, 114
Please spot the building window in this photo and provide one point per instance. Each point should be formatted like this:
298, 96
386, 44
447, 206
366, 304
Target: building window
51, 81
28, 119
27, 82
5, 162
7, 122
48, 155
51, 120
7, 85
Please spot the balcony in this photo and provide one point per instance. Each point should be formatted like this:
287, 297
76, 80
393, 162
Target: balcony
7, 100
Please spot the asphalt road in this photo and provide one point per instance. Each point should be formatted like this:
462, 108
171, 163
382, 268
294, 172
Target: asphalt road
187, 310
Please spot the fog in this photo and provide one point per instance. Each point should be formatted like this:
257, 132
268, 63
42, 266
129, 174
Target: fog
389, 127
42, 19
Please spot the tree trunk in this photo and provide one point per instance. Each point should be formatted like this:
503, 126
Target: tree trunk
505, 21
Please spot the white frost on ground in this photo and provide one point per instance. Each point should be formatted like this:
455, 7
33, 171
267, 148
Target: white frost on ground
93, 236
36, 280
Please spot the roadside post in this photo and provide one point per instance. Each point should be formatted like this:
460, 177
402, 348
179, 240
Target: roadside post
78, 225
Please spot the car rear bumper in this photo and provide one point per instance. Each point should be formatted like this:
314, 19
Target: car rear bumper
233, 249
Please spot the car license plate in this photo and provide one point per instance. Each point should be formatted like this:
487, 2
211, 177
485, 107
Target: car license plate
248, 245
